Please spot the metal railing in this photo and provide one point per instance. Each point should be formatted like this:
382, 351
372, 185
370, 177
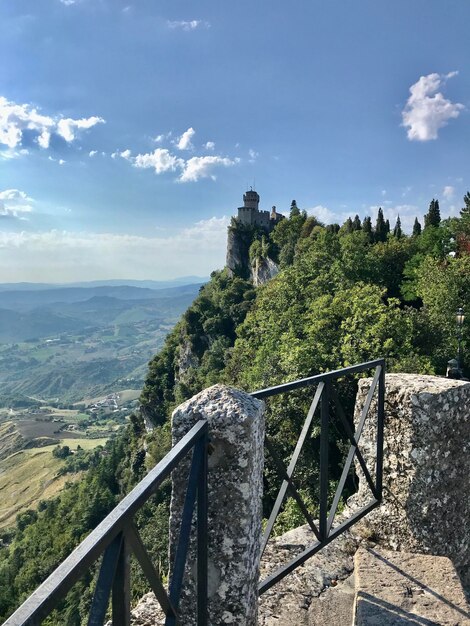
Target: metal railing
326, 396
117, 536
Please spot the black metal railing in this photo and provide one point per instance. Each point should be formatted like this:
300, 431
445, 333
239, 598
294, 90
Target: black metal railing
326, 397
117, 536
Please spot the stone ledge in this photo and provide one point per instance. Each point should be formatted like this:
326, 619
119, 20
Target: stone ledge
401, 588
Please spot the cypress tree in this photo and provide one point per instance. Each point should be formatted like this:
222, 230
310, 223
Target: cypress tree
397, 231
387, 228
433, 216
416, 228
356, 224
367, 225
294, 209
348, 226
380, 227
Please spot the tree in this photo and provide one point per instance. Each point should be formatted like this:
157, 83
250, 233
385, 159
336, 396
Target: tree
465, 211
356, 224
294, 209
433, 216
387, 227
416, 228
367, 227
348, 226
397, 231
380, 227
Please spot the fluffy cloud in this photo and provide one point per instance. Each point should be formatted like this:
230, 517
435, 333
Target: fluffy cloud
184, 142
202, 167
14, 203
161, 160
427, 110
209, 145
18, 119
69, 256
187, 25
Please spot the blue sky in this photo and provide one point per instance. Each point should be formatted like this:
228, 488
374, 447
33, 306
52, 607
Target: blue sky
129, 130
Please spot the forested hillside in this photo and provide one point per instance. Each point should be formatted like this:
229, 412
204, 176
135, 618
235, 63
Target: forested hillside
344, 294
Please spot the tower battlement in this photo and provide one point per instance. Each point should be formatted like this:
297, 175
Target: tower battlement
250, 215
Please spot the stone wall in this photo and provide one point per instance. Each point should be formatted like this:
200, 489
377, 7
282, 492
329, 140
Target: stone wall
426, 501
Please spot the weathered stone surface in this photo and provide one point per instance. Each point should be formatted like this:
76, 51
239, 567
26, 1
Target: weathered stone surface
426, 506
262, 270
236, 430
401, 588
296, 598
334, 606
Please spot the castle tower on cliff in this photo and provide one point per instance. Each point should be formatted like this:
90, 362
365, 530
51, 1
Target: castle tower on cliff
250, 215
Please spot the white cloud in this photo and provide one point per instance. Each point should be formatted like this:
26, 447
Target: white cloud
18, 119
427, 110
202, 167
323, 214
184, 142
187, 25
209, 145
92, 153
448, 192
161, 160
253, 155
69, 256
14, 203
68, 2
66, 127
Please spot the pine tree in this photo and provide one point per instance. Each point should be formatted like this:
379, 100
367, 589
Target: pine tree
380, 233
465, 211
356, 224
294, 209
416, 228
348, 226
397, 231
433, 216
367, 227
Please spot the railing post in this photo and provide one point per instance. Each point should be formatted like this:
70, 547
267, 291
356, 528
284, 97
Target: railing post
380, 432
324, 417
202, 538
235, 486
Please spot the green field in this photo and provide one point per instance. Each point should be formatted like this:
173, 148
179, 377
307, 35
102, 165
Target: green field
25, 478
28, 475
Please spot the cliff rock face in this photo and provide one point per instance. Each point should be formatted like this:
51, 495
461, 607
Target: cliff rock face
263, 270
426, 500
238, 246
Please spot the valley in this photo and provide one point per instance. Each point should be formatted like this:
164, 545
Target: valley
73, 361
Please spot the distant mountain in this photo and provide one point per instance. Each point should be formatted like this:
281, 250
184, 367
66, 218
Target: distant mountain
27, 300
147, 284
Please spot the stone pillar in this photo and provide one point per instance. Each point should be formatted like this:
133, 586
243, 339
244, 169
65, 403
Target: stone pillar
426, 497
235, 486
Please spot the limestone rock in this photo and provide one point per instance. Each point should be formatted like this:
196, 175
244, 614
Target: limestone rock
235, 487
426, 500
262, 270
395, 588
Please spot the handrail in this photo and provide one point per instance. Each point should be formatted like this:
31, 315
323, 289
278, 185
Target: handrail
325, 395
116, 534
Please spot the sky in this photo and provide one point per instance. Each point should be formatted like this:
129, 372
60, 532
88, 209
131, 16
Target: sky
129, 129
